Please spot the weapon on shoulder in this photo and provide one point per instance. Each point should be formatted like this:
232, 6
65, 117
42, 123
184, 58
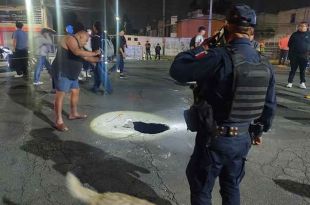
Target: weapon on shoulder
216, 40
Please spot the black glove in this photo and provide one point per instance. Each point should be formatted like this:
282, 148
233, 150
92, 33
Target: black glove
256, 130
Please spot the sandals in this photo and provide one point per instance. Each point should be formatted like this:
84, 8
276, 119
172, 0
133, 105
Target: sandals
61, 127
78, 117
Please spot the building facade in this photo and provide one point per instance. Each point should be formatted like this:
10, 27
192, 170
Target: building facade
12, 13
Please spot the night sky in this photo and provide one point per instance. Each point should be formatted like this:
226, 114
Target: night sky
140, 12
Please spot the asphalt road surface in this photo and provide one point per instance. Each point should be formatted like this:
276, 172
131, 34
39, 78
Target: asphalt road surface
135, 141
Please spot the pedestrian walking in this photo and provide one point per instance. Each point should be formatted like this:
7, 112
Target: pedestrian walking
43, 47
120, 54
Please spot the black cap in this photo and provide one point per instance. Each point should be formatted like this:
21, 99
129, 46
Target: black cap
241, 15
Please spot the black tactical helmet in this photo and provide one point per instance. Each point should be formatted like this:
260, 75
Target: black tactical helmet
241, 15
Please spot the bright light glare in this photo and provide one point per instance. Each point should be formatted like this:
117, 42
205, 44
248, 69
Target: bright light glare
29, 9
111, 125
60, 26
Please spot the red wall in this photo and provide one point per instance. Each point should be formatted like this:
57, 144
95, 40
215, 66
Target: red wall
12, 28
1, 38
189, 27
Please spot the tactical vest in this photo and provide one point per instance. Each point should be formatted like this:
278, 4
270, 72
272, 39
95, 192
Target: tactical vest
250, 84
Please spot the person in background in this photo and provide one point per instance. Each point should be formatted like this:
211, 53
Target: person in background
283, 46
148, 50
69, 30
121, 55
100, 71
198, 39
157, 51
43, 47
20, 48
87, 67
201, 36
254, 42
262, 46
299, 48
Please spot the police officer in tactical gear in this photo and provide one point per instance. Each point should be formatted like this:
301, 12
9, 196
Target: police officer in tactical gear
238, 84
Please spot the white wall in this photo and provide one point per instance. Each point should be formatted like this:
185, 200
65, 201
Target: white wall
172, 46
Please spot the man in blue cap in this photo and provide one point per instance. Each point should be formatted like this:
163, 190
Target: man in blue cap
235, 89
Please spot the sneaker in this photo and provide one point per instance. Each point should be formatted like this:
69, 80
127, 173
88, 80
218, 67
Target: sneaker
83, 74
307, 96
302, 86
122, 75
18, 76
289, 85
118, 70
38, 83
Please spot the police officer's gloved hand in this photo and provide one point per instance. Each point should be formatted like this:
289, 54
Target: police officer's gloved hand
256, 132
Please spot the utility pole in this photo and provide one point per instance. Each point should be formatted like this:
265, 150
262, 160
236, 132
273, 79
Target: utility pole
210, 18
164, 23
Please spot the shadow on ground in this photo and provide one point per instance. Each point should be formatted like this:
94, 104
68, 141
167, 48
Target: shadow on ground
294, 187
31, 100
7, 201
91, 165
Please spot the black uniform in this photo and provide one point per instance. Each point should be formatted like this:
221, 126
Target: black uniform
240, 87
157, 52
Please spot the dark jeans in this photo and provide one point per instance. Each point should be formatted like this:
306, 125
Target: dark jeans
87, 66
157, 56
301, 62
101, 76
225, 158
283, 56
41, 62
148, 53
119, 64
21, 62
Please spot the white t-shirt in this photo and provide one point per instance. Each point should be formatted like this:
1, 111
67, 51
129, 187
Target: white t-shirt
199, 39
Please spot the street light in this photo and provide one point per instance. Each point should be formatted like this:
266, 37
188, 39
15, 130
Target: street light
59, 17
164, 16
29, 8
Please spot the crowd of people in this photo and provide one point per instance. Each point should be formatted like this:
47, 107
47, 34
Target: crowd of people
78, 49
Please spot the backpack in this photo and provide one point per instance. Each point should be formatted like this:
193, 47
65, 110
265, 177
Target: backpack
107, 44
110, 47
193, 42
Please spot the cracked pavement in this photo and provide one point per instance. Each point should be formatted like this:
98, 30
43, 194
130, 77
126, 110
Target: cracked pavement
35, 158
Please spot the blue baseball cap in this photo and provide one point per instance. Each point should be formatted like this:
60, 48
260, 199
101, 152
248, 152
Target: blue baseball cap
69, 29
241, 15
